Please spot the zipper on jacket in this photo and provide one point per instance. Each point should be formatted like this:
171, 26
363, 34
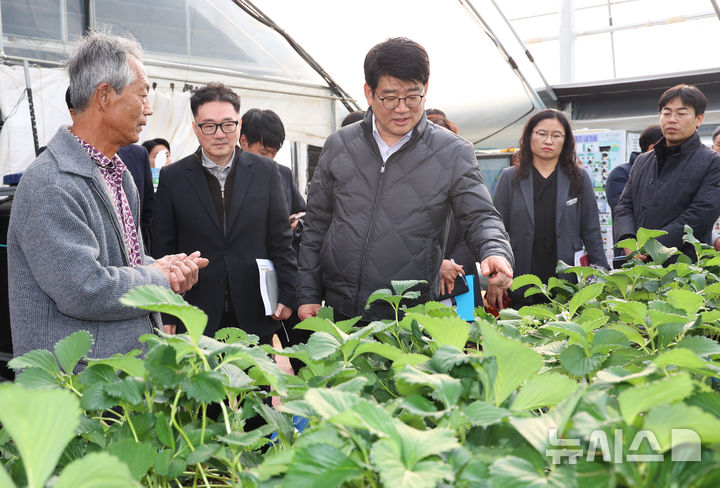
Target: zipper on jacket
222, 204
367, 130
118, 233
372, 214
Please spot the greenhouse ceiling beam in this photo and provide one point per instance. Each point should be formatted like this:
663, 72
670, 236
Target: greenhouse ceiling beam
89, 7
261, 17
204, 69
606, 30
577, 9
2, 51
567, 41
536, 102
470, 8
715, 7
528, 54
612, 39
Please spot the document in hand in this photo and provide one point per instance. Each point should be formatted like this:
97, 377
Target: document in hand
268, 285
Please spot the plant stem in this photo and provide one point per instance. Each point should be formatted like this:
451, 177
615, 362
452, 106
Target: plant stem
384, 386
130, 424
68, 385
202, 473
174, 421
225, 417
149, 401
204, 423
202, 356
105, 419
118, 415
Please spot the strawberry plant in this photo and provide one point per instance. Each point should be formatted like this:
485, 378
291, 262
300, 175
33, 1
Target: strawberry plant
612, 382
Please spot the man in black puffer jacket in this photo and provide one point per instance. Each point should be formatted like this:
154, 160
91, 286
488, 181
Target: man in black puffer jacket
678, 182
379, 201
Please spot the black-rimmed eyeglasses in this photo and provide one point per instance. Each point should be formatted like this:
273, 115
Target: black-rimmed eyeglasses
411, 101
210, 128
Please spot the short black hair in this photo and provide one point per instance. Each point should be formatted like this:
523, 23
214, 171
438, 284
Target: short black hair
689, 95
353, 117
263, 126
68, 100
435, 111
398, 57
650, 135
158, 141
715, 133
214, 92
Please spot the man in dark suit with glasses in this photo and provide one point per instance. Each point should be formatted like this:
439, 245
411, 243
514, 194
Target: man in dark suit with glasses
229, 204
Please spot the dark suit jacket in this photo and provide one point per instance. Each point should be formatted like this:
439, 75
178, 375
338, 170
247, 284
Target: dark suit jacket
293, 198
136, 159
577, 222
616, 181
257, 226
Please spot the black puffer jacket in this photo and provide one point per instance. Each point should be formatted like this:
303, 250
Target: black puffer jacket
368, 223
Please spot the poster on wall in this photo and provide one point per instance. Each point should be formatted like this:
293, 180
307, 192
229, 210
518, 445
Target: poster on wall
600, 151
491, 165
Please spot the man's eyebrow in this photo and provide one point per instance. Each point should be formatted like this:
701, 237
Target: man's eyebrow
226, 119
414, 88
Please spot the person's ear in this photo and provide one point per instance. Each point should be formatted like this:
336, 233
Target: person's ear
103, 96
196, 130
244, 142
368, 95
699, 120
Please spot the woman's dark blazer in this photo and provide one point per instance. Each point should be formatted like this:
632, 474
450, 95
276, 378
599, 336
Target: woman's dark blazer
577, 222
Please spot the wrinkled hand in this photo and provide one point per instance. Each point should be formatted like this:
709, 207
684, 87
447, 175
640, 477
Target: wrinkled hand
495, 297
281, 312
716, 244
169, 329
308, 310
449, 271
181, 270
638, 256
498, 271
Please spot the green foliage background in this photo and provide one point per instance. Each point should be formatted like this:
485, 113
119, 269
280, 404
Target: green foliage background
423, 399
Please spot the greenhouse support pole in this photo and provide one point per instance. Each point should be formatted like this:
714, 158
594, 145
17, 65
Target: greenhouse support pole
567, 41
33, 123
2, 49
530, 57
715, 7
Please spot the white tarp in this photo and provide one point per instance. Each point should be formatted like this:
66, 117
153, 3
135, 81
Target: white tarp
16, 141
305, 111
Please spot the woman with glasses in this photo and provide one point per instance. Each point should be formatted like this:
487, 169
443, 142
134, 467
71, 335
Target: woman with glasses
548, 205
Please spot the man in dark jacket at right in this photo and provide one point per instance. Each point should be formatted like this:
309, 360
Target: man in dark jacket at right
379, 201
678, 182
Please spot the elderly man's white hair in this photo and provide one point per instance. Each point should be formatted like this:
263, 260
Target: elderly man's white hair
100, 57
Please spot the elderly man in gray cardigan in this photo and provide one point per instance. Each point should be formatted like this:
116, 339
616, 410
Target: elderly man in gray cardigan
74, 244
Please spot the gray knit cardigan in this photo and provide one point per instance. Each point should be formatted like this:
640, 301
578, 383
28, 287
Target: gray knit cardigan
67, 261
